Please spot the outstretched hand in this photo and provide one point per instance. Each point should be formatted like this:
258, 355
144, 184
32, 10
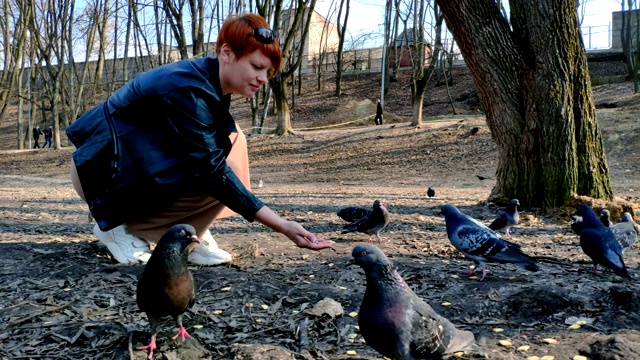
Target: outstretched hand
291, 229
303, 238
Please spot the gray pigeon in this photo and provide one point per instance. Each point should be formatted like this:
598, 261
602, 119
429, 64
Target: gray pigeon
625, 232
481, 244
508, 218
599, 243
395, 321
605, 217
576, 224
166, 286
371, 224
352, 213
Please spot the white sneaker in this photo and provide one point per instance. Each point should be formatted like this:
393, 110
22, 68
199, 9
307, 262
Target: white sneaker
125, 247
208, 252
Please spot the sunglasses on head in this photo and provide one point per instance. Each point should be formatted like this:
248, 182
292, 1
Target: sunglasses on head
264, 35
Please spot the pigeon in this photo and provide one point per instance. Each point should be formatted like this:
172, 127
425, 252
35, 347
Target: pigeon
480, 177
431, 193
599, 243
481, 244
260, 183
508, 218
576, 224
625, 232
372, 223
353, 213
166, 286
605, 217
395, 321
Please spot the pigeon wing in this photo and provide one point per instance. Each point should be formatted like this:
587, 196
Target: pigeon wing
625, 234
352, 213
434, 334
500, 222
484, 245
604, 251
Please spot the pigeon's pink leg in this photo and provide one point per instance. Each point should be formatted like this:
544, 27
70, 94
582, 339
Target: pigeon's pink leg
507, 235
182, 333
380, 240
150, 347
484, 273
472, 271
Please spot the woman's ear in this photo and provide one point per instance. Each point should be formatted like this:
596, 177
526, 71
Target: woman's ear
226, 54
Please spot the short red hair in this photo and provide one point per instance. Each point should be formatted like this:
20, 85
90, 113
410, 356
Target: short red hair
237, 32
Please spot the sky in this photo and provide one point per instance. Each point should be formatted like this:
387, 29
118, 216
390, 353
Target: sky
367, 16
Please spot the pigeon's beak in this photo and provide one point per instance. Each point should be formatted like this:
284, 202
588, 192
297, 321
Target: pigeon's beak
350, 262
194, 238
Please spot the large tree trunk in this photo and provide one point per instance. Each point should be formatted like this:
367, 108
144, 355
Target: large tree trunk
536, 94
279, 86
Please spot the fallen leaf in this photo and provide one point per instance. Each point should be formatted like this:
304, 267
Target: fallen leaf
505, 343
524, 348
550, 341
352, 353
326, 306
353, 314
580, 357
498, 330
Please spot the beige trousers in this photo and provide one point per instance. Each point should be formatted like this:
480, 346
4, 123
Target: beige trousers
199, 211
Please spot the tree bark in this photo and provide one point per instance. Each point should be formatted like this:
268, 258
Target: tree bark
534, 86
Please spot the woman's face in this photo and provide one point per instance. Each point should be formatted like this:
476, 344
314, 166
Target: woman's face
243, 76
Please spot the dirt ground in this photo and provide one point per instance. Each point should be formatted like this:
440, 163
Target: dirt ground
63, 297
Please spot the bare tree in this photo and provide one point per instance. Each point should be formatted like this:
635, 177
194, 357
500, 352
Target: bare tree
14, 37
103, 25
294, 29
630, 37
537, 98
421, 53
49, 31
345, 5
173, 10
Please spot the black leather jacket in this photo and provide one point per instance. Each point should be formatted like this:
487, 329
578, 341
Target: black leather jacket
162, 136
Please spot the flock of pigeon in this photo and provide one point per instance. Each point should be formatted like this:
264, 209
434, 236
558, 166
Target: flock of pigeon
393, 320
398, 324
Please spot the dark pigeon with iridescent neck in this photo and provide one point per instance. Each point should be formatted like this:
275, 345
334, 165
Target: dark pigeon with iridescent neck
352, 213
395, 321
372, 223
508, 218
481, 244
605, 217
166, 286
576, 224
599, 243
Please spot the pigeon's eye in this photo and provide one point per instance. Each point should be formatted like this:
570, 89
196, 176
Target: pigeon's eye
363, 253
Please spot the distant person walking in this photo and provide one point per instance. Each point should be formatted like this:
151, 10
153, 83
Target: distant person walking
378, 118
48, 135
36, 136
